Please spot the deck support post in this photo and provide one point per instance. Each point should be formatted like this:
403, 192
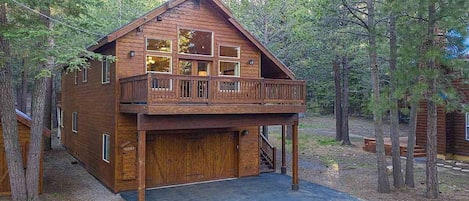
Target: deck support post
141, 165
283, 169
295, 185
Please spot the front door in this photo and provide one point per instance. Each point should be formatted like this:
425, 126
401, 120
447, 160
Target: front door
194, 88
192, 157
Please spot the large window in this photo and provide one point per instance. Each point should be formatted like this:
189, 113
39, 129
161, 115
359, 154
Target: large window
75, 122
106, 148
195, 42
159, 45
106, 71
467, 126
159, 64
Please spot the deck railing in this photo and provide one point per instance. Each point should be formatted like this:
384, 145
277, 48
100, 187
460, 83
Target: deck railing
156, 88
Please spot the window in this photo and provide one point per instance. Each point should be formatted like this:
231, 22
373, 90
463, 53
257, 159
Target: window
106, 148
467, 126
85, 75
159, 64
76, 77
195, 42
229, 52
75, 122
106, 72
229, 69
159, 45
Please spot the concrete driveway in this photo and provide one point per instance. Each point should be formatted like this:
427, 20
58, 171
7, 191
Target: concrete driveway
269, 187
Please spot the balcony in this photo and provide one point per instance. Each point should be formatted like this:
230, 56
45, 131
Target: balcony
164, 94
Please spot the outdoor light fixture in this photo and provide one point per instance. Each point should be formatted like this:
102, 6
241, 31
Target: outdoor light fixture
132, 53
251, 62
244, 132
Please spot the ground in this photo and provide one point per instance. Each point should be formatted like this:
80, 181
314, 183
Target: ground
322, 161
350, 169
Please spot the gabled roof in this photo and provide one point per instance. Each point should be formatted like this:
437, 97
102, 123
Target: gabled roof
217, 4
26, 120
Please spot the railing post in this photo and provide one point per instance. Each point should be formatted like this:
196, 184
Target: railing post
209, 90
148, 95
262, 95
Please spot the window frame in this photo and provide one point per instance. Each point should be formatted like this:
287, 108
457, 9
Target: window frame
227, 57
75, 78
106, 148
466, 126
85, 75
228, 61
212, 44
105, 69
155, 38
75, 122
170, 64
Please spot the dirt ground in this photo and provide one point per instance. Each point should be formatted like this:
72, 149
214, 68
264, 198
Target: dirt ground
351, 170
322, 161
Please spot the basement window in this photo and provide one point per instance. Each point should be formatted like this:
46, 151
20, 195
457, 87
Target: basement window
106, 148
75, 122
467, 126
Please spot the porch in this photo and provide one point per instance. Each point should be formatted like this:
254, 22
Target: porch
165, 94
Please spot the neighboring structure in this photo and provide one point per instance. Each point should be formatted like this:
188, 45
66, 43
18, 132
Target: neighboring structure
182, 103
452, 128
24, 125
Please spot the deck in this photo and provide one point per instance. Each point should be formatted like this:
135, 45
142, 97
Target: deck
161, 94
369, 145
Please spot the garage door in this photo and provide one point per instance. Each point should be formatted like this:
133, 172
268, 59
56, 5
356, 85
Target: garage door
193, 157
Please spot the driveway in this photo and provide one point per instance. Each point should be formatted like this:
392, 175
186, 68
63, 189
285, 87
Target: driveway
269, 186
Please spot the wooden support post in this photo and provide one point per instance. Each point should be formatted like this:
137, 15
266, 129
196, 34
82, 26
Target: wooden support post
295, 185
283, 169
141, 165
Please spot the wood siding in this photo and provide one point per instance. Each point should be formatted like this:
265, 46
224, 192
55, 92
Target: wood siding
456, 136
97, 108
421, 132
24, 134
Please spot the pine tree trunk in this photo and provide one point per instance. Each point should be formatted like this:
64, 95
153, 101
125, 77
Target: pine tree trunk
338, 100
345, 106
409, 166
383, 180
398, 181
8, 119
431, 171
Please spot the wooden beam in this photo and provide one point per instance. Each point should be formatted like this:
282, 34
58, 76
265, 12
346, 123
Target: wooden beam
284, 166
141, 165
295, 185
170, 122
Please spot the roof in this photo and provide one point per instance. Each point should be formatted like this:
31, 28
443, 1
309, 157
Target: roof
26, 120
217, 4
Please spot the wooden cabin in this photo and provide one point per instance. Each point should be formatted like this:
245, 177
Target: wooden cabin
452, 128
182, 103
24, 126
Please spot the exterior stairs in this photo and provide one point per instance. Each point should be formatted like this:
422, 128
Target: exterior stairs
267, 155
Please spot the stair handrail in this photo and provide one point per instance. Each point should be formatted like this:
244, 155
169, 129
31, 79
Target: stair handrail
271, 159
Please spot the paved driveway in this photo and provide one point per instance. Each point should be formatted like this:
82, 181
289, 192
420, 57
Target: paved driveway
268, 187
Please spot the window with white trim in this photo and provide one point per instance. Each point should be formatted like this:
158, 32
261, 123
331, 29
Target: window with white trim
159, 64
106, 148
467, 126
229, 51
195, 42
75, 122
229, 69
85, 75
106, 71
159, 45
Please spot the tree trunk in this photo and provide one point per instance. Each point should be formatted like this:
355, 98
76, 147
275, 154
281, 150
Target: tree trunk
409, 166
338, 100
431, 170
8, 119
383, 180
394, 108
345, 105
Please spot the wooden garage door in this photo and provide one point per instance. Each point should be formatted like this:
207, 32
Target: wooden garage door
186, 158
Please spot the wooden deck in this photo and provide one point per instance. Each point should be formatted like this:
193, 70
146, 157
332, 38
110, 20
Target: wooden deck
155, 93
369, 145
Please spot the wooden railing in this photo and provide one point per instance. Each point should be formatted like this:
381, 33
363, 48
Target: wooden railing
155, 88
268, 151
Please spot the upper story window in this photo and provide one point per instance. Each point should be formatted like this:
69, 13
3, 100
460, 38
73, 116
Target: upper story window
467, 126
159, 64
195, 42
229, 52
75, 122
106, 71
85, 75
159, 45
229, 68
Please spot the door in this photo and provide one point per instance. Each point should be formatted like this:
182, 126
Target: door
192, 157
198, 88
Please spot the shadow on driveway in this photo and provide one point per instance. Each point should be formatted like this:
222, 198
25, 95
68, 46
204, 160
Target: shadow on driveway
271, 187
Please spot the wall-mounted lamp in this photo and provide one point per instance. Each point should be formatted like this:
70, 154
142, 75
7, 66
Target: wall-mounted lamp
132, 53
251, 62
244, 132
159, 18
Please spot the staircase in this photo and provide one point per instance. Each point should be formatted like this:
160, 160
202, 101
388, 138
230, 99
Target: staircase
267, 155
